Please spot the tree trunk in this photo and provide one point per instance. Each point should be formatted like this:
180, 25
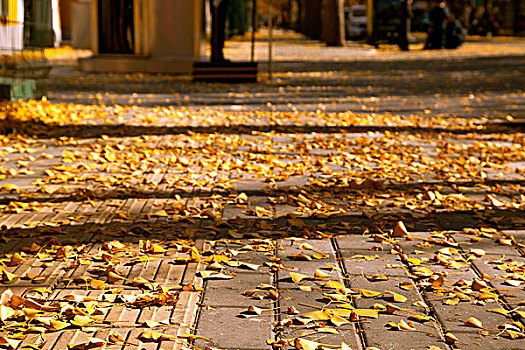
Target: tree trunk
334, 23
311, 20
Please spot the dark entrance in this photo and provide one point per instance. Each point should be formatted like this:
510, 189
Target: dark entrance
115, 27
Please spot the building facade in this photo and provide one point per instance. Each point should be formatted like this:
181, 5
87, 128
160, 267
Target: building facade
155, 36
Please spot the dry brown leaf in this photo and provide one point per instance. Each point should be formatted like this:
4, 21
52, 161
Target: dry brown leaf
473, 322
400, 230
16, 259
406, 285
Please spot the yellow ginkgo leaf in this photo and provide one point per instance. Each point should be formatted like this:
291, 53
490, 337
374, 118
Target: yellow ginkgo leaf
319, 315
160, 213
114, 277
151, 323
97, 284
115, 337
329, 330
6, 312
369, 293
8, 276
298, 277
371, 313
515, 334
306, 246
333, 285
152, 336
499, 311
338, 321
321, 274
345, 346
391, 296
81, 320
305, 344
9, 342
403, 326
58, 325
473, 322
419, 318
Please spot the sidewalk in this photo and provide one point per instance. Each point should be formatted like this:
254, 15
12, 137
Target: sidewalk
268, 215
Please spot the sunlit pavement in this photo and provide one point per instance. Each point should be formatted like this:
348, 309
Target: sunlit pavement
366, 197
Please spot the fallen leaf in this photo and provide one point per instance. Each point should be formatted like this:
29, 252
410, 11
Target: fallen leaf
369, 293
399, 230
406, 285
298, 277
367, 312
394, 297
97, 284
153, 337
338, 321
58, 325
16, 259
214, 275
473, 322
305, 344
403, 326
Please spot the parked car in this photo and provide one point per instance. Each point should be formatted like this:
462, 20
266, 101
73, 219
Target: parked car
355, 20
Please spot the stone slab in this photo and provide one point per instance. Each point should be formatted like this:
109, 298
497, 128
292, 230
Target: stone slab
230, 332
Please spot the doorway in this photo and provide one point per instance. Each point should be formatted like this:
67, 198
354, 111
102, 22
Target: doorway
116, 30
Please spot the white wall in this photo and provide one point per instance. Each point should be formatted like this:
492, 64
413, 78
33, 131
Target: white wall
11, 36
56, 22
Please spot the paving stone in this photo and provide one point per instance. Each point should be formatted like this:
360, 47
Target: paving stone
477, 341
358, 262
510, 294
392, 285
168, 273
358, 242
291, 296
229, 292
289, 247
519, 235
487, 244
12, 220
255, 185
377, 334
453, 316
61, 340
48, 276
292, 182
347, 334
231, 332
247, 211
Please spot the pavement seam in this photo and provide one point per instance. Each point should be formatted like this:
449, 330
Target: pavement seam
360, 330
480, 274
439, 322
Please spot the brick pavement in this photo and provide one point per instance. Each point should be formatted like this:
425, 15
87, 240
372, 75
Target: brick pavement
263, 189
